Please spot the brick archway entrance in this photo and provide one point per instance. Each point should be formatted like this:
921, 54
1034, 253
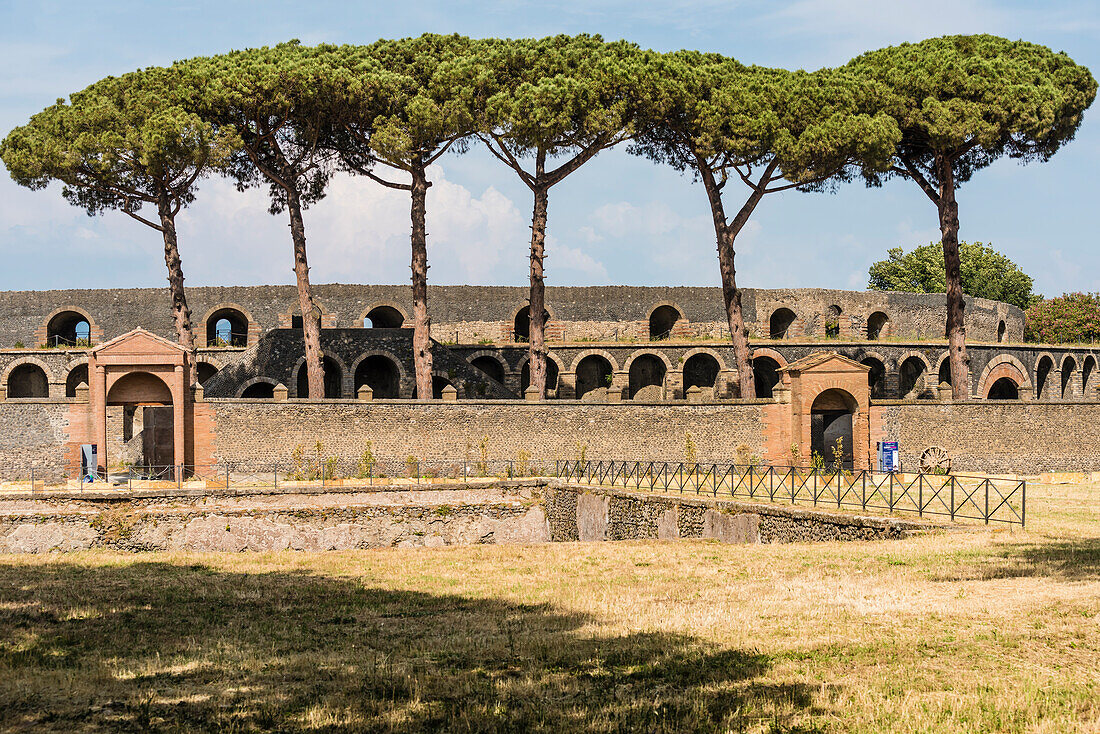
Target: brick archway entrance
140, 371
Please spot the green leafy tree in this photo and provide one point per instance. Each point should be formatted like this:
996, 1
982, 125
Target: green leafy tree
768, 129
1070, 318
961, 103
559, 101
274, 98
985, 273
123, 144
397, 108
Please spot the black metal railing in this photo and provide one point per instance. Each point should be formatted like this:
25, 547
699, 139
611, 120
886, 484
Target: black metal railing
958, 497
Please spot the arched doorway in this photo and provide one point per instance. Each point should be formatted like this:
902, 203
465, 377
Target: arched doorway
259, 391
780, 323
551, 375
227, 327
380, 373
831, 427
1042, 383
646, 370
28, 381
765, 375
383, 317
911, 378
661, 322
69, 328
334, 378
77, 375
490, 366
141, 419
701, 370
877, 324
1005, 388
593, 372
876, 377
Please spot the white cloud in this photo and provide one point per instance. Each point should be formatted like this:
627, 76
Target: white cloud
578, 262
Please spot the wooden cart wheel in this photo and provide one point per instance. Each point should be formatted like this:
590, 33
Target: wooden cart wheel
934, 460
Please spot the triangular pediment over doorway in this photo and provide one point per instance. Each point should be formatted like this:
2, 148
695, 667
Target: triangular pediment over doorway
139, 342
825, 362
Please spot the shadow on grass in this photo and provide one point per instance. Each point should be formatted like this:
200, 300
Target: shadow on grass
1076, 560
153, 646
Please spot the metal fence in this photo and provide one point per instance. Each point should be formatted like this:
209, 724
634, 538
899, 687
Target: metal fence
309, 471
958, 497
955, 496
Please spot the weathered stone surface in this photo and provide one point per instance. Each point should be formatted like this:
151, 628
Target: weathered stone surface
743, 528
47, 536
668, 527
592, 511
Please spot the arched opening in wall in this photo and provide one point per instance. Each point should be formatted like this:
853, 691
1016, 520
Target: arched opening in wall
1001, 330
1004, 388
381, 374
911, 378
780, 323
765, 375
831, 427
334, 377
383, 317
227, 327
944, 372
878, 325
700, 370
28, 381
491, 367
1069, 371
876, 377
551, 375
259, 391
1042, 383
593, 372
647, 371
438, 383
1088, 378
521, 328
661, 322
69, 329
204, 371
832, 322
77, 375
155, 422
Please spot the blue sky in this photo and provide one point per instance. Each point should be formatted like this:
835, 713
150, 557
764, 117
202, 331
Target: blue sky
618, 220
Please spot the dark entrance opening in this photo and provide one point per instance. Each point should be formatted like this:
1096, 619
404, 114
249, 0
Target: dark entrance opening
158, 439
593, 372
259, 391
1069, 369
551, 375
701, 370
765, 375
383, 317
831, 428
333, 379
68, 328
28, 381
876, 325
1004, 389
1001, 329
491, 367
204, 371
1042, 384
832, 322
381, 374
780, 323
911, 378
646, 370
76, 376
661, 322
945, 372
876, 378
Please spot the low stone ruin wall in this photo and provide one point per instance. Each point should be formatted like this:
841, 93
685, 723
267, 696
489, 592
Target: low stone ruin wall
521, 511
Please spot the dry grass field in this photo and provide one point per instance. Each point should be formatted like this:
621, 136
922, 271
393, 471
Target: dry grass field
952, 632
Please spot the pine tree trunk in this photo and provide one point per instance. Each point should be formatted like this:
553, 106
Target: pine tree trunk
537, 307
956, 304
422, 341
311, 328
181, 314
726, 234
